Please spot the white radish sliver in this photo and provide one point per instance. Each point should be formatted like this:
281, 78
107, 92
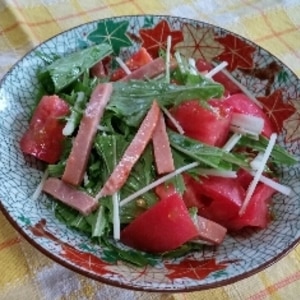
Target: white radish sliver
247, 122
169, 43
243, 88
116, 216
258, 173
219, 173
216, 70
158, 182
256, 162
180, 62
233, 140
39, 188
123, 65
193, 68
173, 120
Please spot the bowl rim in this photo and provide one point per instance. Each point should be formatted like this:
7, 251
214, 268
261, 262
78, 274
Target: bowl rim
129, 286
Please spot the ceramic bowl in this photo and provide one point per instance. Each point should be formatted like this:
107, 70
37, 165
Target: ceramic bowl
241, 255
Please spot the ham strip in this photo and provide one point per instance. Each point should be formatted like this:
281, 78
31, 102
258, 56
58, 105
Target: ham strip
80, 152
150, 70
70, 196
210, 231
132, 153
162, 150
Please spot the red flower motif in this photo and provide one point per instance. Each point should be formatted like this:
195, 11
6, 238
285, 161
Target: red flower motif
194, 269
156, 38
237, 53
276, 109
85, 260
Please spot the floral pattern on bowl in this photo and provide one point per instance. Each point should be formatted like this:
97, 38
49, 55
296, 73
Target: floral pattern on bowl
241, 255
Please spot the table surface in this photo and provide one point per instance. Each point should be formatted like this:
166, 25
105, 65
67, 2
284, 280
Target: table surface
273, 24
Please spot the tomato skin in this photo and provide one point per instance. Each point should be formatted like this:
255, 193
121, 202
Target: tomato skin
219, 199
228, 84
43, 139
257, 211
137, 60
164, 227
240, 103
207, 126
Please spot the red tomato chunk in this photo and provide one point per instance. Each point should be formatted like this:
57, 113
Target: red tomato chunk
44, 137
207, 126
164, 227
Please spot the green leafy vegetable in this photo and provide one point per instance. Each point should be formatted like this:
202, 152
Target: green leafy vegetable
65, 70
278, 154
131, 100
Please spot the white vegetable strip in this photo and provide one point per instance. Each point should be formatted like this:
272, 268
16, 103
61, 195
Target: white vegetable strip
283, 189
256, 162
116, 216
216, 70
241, 130
250, 123
169, 43
70, 125
180, 62
258, 173
123, 65
219, 173
232, 141
158, 182
39, 188
193, 68
243, 88
116, 203
173, 120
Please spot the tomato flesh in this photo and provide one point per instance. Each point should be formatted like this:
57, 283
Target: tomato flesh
43, 139
163, 227
207, 126
257, 211
137, 60
219, 199
230, 87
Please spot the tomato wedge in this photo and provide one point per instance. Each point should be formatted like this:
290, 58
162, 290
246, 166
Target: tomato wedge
43, 139
207, 126
137, 60
219, 199
257, 211
164, 227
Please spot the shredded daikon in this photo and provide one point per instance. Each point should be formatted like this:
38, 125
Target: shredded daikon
173, 120
281, 188
219, 173
116, 216
232, 141
168, 54
258, 173
39, 188
71, 123
243, 88
248, 123
123, 65
241, 130
180, 62
256, 162
158, 182
116, 203
192, 65
216, 70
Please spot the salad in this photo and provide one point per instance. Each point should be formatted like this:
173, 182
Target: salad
166, 155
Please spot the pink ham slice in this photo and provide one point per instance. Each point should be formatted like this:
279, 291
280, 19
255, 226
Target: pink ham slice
70, 196
80, 152
210, 231
162, 150
150, 70
132, 153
